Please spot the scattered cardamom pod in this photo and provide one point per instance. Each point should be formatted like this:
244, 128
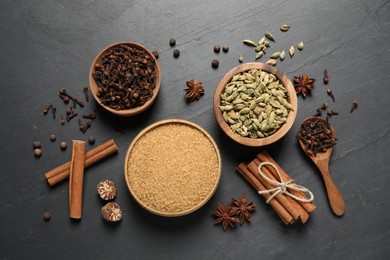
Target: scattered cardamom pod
259, 55
269, 36
241, 59
250, 43
284, 27
261, 41
300, 46
291, 51
271, 62
275, 55
282, 55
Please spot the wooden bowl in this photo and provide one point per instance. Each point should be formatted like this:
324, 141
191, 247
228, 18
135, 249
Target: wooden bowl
125, 112
256, 142
172, 168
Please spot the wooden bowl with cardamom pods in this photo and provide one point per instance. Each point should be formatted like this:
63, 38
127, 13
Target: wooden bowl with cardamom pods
125, 78
255, 104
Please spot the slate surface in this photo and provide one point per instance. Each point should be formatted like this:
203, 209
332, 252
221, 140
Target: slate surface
50, 44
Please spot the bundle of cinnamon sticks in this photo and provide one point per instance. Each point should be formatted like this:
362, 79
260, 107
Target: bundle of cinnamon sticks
288, 209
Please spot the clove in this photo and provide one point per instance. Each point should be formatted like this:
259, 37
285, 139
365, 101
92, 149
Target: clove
90, 116
85, 90
62, 120
54, 110
320, 109
354, 105
330, 93
69, 117
46, 109
87, 125
326, 77
330, 112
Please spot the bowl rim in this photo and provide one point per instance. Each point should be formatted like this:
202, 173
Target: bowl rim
158, 124
132, 111
258, 141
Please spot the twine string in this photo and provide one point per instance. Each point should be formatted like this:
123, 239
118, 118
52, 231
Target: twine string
282, 186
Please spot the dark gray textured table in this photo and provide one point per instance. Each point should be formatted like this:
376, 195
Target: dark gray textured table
50, 44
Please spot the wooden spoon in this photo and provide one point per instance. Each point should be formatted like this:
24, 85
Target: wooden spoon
322, 161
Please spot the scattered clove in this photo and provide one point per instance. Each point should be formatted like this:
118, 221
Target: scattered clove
81, 126
326, 77
87, 125
62, 120
90, 116
54, 110
330, 93
320, 109
330, 112
85, 90
69, 117
354, 105
46, 109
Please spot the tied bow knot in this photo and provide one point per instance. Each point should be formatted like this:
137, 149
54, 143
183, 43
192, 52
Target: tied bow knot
282, 186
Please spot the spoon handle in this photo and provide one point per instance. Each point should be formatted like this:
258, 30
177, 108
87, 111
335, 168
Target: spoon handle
336, 201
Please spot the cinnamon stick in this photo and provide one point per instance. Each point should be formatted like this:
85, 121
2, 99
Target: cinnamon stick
96, 154
303, 215
278, 208
265, 157
76, 179
280, 197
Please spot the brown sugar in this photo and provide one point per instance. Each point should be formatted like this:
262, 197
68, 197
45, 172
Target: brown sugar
173, 168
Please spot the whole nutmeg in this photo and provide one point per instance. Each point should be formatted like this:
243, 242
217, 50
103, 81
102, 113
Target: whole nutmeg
111, 212
106, 190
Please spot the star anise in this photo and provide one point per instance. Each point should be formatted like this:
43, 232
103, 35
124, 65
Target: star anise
303, 84
226, 215
242, 209
194, 90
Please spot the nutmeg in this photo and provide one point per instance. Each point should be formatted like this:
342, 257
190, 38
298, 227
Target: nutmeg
111, 212
106, 190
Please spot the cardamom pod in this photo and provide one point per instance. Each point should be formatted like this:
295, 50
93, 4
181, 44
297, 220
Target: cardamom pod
250, 43
275, 55
269, 36
282, 55
261, 41
300, 46
259, 55
271, 62
241, 59
291, 51
284, 27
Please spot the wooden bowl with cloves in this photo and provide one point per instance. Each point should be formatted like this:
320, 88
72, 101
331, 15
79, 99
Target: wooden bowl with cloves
125, 78
255, 104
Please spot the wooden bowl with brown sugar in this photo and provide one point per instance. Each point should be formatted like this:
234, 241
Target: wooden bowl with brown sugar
243, 107
172, 168
125, 78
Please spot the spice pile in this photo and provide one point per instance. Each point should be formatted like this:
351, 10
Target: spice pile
172, 168
255, 104
125, 77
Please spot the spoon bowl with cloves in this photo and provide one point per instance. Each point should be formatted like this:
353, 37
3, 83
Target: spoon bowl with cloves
317, 138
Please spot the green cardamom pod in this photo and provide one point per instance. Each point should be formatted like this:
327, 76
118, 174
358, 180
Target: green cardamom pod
271, 62
282, 55
291, 51
284, 27
241, 59
275, 55
259, 55
261, 41
300, 46
269, 36
250, 43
